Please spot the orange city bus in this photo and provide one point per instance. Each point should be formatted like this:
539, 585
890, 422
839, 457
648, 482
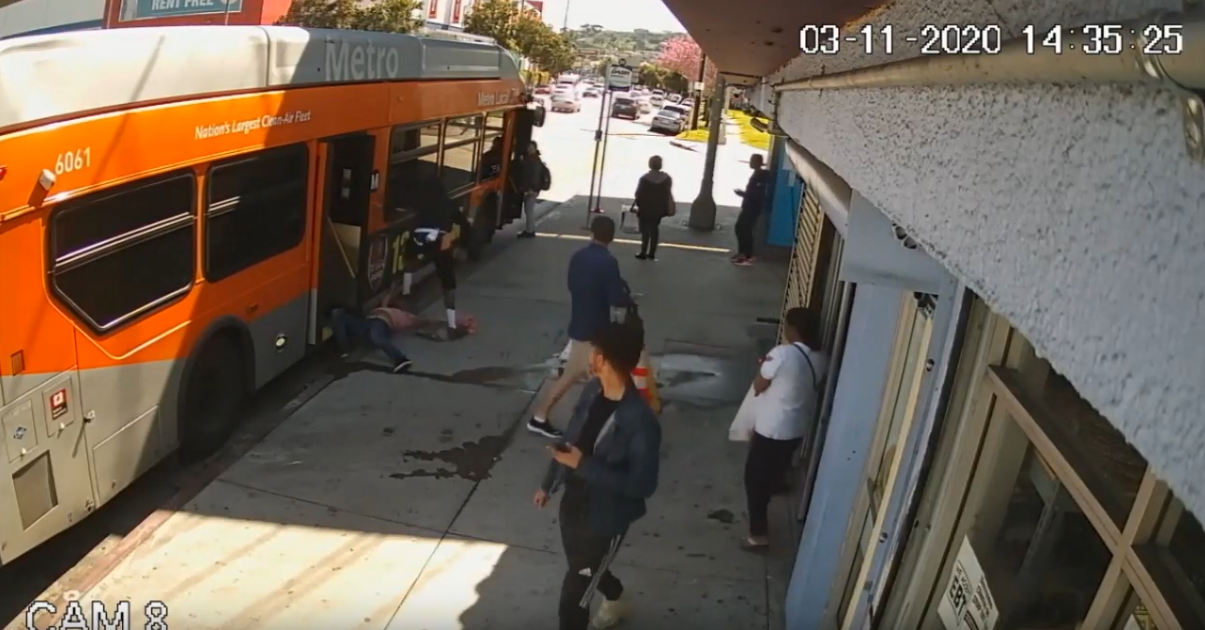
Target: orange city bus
179, 208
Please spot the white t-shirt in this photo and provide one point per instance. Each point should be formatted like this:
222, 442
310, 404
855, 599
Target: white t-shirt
786, 408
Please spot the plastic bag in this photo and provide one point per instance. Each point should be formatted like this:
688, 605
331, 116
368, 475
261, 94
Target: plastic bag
746, 417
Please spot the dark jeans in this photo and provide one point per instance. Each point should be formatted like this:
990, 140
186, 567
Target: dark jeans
650, 234
765, 469
350, 328
745, 222
590, 556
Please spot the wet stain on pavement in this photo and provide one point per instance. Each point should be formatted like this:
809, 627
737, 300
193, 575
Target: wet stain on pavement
724, 516
472, 461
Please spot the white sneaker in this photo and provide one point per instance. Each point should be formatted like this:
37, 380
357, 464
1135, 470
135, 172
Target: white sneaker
610, 613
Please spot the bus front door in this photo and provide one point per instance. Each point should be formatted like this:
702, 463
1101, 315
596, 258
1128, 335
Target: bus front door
348, 181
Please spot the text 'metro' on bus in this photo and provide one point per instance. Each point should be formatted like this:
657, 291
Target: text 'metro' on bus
179, 209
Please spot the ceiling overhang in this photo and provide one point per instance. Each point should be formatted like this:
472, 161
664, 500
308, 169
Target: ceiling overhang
751, 39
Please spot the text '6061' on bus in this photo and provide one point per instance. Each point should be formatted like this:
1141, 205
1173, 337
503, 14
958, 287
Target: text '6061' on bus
163, 255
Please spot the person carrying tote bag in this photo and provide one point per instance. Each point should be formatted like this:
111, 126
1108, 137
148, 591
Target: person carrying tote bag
786, 394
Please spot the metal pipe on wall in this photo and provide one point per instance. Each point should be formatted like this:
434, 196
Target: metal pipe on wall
1020, 62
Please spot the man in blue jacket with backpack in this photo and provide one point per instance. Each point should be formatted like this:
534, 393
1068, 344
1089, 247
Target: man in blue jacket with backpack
608, 463
534, 178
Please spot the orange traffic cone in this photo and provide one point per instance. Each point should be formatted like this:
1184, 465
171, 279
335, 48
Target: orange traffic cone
646, 381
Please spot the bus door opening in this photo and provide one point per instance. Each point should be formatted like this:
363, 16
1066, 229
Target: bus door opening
512, 199
348, 185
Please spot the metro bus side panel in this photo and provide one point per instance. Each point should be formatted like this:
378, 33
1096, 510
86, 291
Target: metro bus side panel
130, 377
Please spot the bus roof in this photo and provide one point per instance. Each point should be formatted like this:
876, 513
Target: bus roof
53, 76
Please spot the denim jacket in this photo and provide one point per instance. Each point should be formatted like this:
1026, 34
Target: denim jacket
623, 471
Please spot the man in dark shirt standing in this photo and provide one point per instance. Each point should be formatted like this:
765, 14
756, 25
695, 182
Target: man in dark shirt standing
596, 291
609, 465
753, 200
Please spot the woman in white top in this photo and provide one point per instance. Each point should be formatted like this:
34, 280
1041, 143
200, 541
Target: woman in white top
787, 390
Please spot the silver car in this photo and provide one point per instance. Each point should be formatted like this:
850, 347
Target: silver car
669, 121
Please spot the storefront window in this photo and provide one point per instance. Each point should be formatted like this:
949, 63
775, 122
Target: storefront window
1134, 616
1043, 559
1114, 468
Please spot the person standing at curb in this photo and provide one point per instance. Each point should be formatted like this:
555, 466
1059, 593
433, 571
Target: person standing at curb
753, 201
788, 386
654, 201
609, 466
597, 294
534, 177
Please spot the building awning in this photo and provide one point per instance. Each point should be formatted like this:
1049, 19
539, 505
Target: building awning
749, 40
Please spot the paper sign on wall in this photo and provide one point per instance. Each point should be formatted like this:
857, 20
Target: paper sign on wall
967, 603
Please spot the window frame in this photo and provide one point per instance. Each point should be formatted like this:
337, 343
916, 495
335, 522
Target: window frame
207, 207
396, 157
56, 264
476, 140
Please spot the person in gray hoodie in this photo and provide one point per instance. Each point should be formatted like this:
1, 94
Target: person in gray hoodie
654, 201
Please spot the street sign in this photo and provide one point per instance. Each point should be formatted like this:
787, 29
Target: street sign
698, 86
619, 78
142, 9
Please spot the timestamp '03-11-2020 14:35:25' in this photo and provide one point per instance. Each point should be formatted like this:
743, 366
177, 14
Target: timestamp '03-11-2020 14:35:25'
990, 39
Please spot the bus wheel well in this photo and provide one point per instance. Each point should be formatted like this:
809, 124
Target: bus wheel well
214, 388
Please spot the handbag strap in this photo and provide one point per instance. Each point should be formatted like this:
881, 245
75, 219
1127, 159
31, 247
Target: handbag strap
812, 368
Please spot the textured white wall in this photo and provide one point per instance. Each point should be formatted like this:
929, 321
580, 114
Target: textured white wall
1073, 211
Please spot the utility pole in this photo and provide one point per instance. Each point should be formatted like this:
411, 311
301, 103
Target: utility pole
694, 115
565, 26
702, 211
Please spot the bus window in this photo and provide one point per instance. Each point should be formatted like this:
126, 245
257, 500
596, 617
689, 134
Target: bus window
461, 150
256, 209
406, 139
491, 159
121, 253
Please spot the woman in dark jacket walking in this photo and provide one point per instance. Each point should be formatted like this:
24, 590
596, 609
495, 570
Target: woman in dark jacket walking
654, 201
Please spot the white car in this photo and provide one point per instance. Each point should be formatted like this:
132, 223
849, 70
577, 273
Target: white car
669, 120
567, 103
645, 106
683, 112
656, 100
675, 98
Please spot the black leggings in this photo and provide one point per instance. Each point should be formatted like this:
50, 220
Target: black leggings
765, 471
650, 234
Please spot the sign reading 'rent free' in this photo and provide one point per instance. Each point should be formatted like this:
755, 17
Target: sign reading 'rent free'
173, 8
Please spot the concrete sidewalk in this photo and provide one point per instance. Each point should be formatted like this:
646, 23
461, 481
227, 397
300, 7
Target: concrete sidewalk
404, 501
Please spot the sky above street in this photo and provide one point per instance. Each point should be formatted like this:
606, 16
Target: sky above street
614, 15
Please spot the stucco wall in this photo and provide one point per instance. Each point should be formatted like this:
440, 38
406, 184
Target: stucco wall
1073, 211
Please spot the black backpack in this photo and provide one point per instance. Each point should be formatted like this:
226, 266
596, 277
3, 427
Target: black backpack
545, 177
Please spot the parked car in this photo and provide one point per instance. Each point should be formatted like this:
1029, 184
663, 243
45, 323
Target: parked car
669, 121
688, 103
657, 100
683, 112
675, 98
591, 93
625, 107
565, 102
543, 89
645, 106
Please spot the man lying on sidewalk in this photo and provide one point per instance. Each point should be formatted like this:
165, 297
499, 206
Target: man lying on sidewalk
609, 464
376, 329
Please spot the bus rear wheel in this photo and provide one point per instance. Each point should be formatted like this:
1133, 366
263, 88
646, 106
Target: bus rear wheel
212, 399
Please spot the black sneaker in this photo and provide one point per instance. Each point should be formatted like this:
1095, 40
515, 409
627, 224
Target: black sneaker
526, 234
544, 428
457, 333
403, 367
642, 257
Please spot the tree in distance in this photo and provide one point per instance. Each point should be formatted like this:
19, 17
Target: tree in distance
387, 16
